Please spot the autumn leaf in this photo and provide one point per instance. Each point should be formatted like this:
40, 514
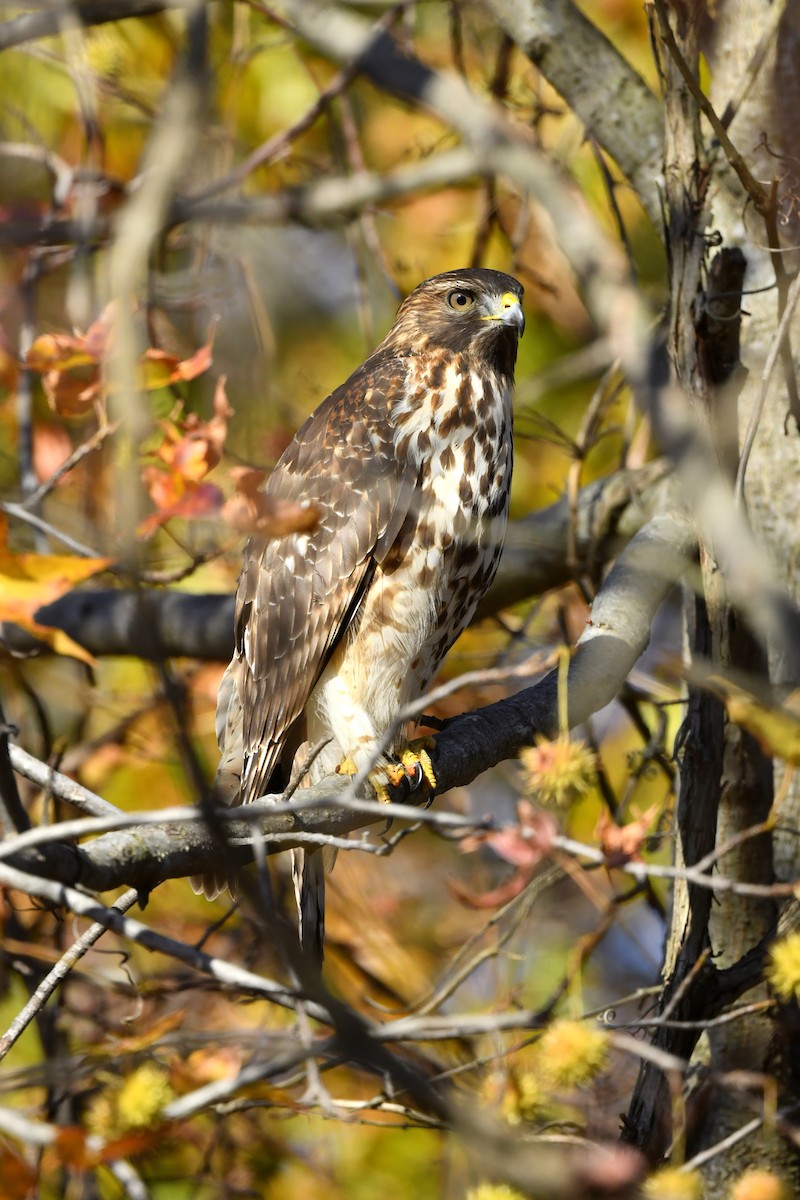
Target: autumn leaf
192, 447
189, 450
179, 498
70, 368
59, 351
71, 365
70, 1147
73, 395
73, 1147
250, 510
523, 845
51, 447
19, 1178
30, 581
621, 843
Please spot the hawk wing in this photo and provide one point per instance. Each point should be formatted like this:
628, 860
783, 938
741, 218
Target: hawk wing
298, 593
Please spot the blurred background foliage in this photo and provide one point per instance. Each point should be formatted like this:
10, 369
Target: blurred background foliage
292, 311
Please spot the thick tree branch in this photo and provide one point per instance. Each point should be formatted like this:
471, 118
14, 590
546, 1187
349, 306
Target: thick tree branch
504, 149
153, 624
617, 634
50, 21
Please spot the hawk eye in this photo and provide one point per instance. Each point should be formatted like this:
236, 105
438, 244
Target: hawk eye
461, 301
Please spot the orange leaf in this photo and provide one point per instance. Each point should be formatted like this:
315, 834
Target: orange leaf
70, 1147
58, 351
621, 843
159, 368
193, 447
199, 362
72, 395
198, 500
524, 845
19, 1179
51, 446
128, 1145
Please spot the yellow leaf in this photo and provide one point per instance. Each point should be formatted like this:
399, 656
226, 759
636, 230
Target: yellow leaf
776, 729
29, 581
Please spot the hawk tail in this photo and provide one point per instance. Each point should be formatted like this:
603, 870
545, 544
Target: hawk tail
308, 873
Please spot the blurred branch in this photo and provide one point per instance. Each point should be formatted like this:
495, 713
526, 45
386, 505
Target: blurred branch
612, 100
137, 228
112, 918
504, 149
181, 625
13, 817
323, 203
616, 635
56, 784
595, 1171
50, 20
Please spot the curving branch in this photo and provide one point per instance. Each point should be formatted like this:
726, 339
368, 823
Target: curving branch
616, 635
155, 624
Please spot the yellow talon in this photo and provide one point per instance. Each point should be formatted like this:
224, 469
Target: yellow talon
394, 773
380, 788
410, 758
347, 767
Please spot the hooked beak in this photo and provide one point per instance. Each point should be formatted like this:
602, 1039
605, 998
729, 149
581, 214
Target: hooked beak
509, 312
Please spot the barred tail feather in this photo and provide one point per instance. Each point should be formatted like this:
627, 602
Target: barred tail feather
211, 885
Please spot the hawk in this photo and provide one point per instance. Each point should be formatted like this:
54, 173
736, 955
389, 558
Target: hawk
408, 464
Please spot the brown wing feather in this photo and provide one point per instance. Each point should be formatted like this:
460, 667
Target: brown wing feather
296, 597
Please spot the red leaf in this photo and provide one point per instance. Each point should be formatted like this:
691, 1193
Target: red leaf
523, 845
198, 500
621, 843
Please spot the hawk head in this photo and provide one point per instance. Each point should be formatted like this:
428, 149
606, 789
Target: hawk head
473, 310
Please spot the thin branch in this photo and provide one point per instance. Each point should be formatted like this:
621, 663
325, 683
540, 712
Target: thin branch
725, 1144
28, 518
755, 190
225, 973
78, 454
615, 104
60, 785
58, 974
13, 817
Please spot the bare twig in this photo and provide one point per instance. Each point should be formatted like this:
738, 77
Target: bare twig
236, 977
55, 978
